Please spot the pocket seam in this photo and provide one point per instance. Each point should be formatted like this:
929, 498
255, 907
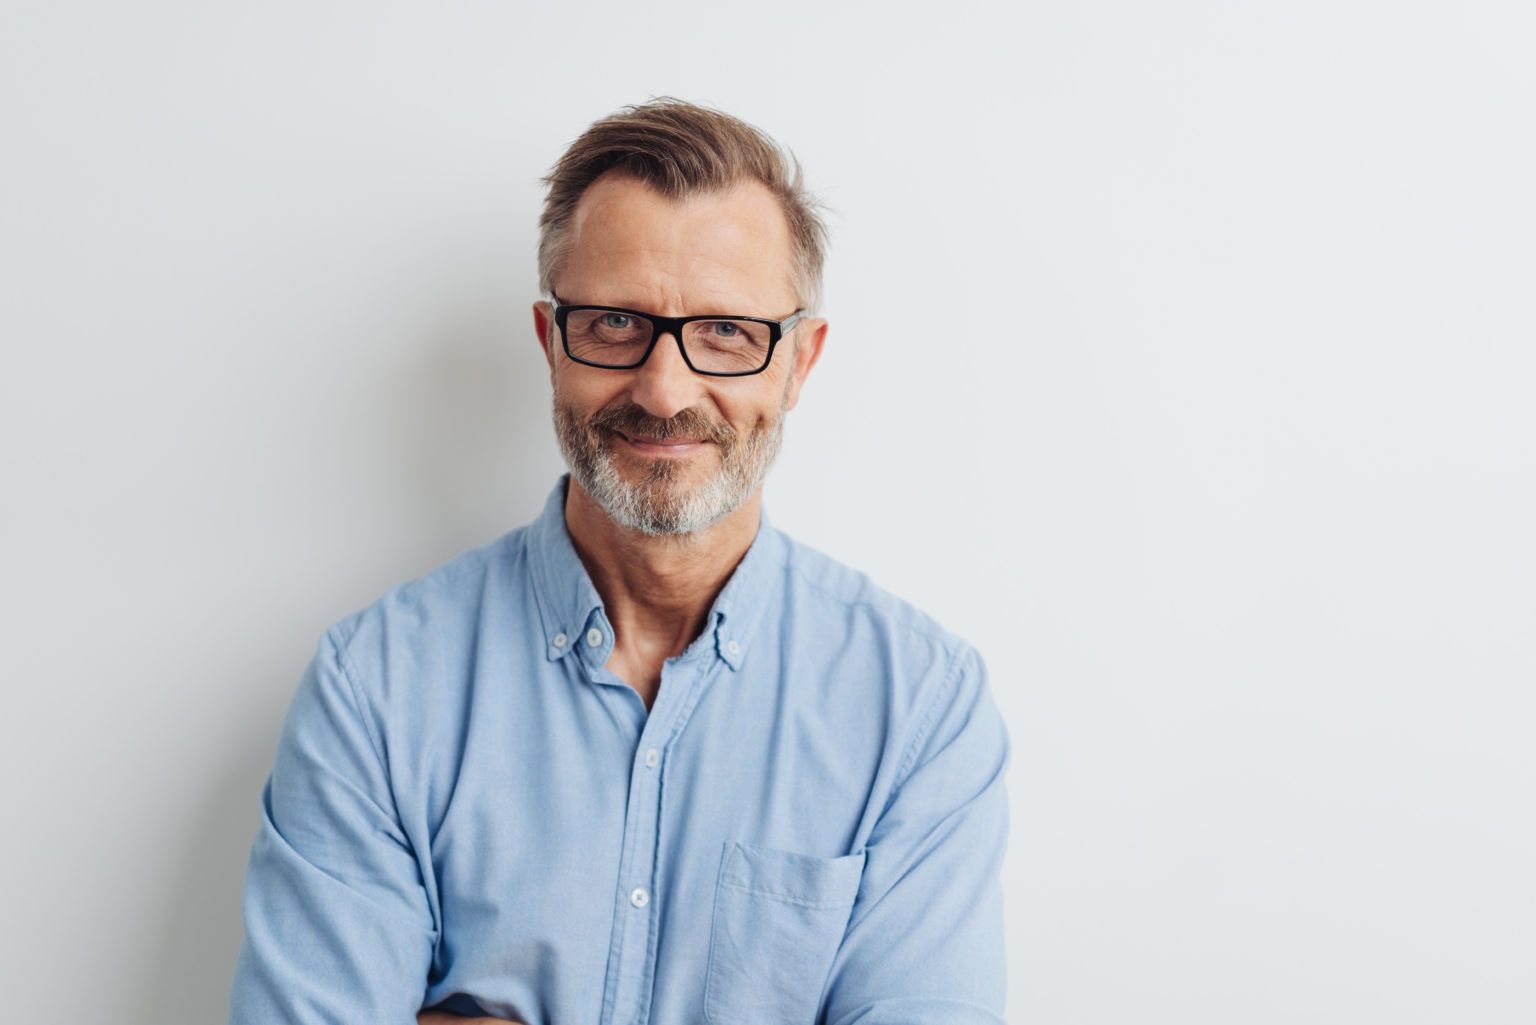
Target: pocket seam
714, 927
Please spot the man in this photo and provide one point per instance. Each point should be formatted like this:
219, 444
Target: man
646, 759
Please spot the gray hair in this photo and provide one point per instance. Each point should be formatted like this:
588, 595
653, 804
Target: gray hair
682, 149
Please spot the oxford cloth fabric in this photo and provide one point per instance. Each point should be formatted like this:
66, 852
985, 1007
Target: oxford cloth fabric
467, 810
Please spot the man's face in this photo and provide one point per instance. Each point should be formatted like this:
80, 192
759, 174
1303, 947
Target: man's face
662, 449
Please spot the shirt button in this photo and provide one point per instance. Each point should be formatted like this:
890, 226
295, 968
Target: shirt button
638, 897
560, 640
733, 647
652, 757
594, 637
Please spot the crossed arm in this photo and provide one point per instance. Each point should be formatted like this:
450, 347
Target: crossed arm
333, 891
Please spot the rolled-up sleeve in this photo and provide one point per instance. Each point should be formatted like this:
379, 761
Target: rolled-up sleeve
924, 943
338, 927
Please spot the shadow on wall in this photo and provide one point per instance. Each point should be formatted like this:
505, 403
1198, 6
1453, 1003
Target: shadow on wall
475, 456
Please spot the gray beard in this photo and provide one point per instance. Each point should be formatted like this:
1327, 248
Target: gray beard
659, 503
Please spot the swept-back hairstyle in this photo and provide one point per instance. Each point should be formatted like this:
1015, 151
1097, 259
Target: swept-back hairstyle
682, 150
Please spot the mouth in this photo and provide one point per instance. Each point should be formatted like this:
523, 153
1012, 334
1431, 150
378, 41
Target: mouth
663, 447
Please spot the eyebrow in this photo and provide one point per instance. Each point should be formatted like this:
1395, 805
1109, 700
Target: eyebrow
640, 307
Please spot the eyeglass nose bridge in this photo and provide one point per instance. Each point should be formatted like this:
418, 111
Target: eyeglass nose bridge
663, 326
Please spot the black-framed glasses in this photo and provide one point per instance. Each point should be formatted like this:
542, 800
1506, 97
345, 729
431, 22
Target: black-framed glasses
718, 346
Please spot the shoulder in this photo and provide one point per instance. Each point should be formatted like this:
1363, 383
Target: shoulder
429, 619
926, 677
920, 657
815, 577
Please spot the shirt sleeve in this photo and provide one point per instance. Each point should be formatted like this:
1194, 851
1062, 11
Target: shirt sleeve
924, 943
338, 928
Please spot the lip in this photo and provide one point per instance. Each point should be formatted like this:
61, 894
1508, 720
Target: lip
669, 448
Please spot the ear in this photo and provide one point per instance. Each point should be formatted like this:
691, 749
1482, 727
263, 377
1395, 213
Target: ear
544, 327
813, 334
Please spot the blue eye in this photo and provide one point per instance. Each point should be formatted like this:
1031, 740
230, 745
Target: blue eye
615, 320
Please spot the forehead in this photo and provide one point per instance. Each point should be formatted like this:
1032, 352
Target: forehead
631, 245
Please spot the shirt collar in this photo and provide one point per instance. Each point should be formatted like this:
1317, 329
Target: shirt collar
571, 609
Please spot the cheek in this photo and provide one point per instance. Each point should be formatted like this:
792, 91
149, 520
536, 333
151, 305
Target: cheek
583, 391
747, 416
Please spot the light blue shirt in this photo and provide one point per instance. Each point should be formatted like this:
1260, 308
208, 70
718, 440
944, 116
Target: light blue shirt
807, 827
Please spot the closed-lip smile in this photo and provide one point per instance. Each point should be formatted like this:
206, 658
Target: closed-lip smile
661, 446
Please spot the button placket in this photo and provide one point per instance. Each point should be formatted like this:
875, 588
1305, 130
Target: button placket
628, 988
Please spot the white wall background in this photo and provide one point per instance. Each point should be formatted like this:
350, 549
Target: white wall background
1181, 358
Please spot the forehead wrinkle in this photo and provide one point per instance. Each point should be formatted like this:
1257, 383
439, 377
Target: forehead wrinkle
683, 257
704, 290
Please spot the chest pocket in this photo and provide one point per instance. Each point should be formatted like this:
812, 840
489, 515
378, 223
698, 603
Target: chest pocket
779, 918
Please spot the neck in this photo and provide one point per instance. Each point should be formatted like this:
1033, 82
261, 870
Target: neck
657, 591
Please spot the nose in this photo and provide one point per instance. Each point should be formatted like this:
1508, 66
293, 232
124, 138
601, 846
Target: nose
663, 385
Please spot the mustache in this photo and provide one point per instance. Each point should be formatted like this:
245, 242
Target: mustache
689, 423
